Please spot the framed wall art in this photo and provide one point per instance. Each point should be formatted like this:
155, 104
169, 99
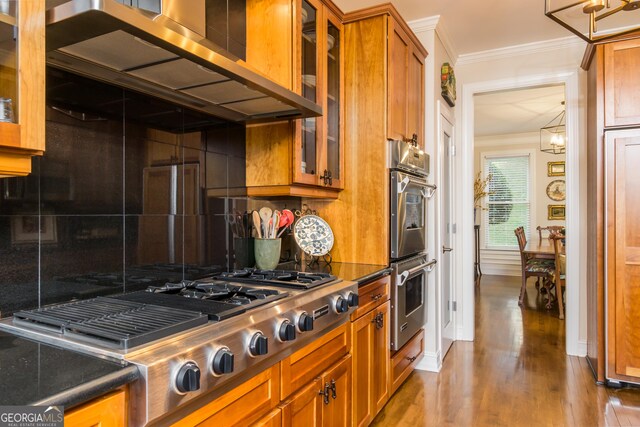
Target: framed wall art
556, 212
29, 229
448, 84
555, 168
557, 190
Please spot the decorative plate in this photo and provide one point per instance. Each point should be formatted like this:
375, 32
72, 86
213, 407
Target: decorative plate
313, 235
557, 190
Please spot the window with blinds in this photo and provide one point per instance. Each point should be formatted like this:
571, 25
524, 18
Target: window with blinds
508, 205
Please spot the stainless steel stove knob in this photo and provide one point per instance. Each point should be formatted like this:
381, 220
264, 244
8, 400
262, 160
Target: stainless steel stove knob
305, 322
342, 306
222, 362
353, 299
259, 345
287, 331
188, 378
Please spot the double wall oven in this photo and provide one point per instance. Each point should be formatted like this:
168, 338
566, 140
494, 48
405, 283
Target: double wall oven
409, 196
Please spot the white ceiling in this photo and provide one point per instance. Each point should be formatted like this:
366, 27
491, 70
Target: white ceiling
475, 26
516, 111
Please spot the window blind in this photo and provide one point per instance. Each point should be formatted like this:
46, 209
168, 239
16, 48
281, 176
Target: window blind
508, 205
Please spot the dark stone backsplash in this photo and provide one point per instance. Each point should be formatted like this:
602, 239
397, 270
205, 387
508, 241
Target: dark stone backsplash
117, 203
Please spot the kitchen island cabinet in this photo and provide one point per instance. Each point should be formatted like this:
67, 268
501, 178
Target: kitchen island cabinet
22, 83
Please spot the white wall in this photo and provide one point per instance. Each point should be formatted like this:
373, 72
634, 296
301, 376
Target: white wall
437, 54
506, 262
524, 66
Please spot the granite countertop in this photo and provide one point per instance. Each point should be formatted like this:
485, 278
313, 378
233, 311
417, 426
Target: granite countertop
360, 273
33, 373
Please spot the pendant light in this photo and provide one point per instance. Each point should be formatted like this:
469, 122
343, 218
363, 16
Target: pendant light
553, 135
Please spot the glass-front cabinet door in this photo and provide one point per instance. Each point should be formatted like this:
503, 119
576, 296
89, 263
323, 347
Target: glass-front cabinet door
22, 84
333, 108
318, 155
308, 137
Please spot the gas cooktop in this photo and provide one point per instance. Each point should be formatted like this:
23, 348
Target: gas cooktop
217, 299
284, 278
190, 338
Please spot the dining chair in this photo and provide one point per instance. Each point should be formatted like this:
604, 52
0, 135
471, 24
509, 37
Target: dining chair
533, 267
550, 228
559, 273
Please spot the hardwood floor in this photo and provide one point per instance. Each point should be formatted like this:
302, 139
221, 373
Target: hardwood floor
515, 373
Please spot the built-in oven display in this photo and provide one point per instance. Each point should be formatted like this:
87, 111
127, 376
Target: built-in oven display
414, 208
413, 294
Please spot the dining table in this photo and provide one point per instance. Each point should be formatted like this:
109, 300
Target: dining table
542, 248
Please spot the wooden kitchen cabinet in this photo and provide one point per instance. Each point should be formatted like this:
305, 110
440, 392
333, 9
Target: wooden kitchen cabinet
325, 401
308, 362
622, 83
250, 402
107, 411
272, 419
22, 80
623, 254
406, 86
405, 360
370, 349
304, 157
384, 97
613, 225
305, 407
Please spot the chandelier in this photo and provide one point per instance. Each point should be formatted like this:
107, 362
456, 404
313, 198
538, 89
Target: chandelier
595, 20
553, 135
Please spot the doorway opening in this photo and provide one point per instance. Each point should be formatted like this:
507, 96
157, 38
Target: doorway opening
574, 238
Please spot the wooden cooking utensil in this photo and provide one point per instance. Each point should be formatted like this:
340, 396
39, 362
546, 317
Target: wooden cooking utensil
257, 223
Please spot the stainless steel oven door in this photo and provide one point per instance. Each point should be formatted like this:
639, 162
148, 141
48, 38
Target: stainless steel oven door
408, 299
408, 214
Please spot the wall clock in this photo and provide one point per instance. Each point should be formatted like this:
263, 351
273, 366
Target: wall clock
557, 190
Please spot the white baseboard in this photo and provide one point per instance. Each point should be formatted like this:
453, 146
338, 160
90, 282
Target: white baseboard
582, 348
431, 362
501, 270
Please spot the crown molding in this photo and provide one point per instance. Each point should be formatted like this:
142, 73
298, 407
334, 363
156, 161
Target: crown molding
424, 24
434, 23
522, 49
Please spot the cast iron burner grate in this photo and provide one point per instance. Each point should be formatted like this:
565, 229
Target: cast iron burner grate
218, 299
111, 322
285, 278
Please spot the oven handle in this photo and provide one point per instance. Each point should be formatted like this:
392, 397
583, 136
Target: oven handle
428, 267
402, 185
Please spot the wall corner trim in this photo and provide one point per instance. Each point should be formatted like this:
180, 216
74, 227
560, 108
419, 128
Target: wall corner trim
432, 362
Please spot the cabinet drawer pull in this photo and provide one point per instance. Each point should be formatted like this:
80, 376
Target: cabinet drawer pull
412, 359
376, 297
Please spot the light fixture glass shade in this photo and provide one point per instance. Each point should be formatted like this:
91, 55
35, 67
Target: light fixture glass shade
595, 20
553, 136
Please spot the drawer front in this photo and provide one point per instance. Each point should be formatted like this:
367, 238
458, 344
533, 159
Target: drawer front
372, 295
108, 410
241, 406
405, 360
309, 362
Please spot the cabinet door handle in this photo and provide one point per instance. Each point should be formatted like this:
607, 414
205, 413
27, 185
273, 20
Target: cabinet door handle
333, 389
325, 393
376, 297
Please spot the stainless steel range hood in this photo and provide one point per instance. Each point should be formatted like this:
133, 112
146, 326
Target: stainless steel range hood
129, 47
